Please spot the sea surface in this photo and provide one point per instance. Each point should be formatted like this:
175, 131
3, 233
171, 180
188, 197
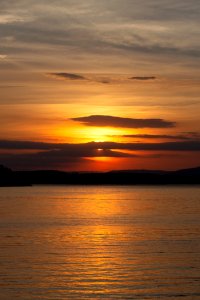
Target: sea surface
97, 242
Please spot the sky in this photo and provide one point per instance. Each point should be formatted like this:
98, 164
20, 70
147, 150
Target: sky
99, 85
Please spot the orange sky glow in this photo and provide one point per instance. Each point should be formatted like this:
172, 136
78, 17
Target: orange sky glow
116, 87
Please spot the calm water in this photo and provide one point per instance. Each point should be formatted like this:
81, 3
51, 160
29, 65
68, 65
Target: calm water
100, 243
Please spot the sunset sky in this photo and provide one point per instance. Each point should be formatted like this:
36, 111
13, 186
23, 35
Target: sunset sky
99, 84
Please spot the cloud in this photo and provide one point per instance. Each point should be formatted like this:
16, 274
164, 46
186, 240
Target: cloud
193, 134
103, 121
90, 149
53, 155
87, 78
3, 56
39, 161
84, 149
193, 145
105, 81
163, 136
65, 150
143, 78
99, 78
79, 35
9, 18
28, 145
62, 155
67, 76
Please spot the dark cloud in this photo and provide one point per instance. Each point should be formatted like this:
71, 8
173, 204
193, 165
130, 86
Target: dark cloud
39, 161
161, 136
193, 145
29, 145
193, 134
62, 150
91, 149
63, 155
68, 155
105, 81
87, 78
102, 120
143, 78
68, 76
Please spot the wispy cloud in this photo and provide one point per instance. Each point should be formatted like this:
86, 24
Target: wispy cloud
6, 19
82, 77
3, 56
99, 77
67, 76
145, 34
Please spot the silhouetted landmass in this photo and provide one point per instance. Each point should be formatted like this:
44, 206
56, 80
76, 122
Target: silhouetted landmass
11, 178
121, 177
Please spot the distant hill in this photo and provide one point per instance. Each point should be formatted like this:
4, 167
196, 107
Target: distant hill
121, 177
191, 171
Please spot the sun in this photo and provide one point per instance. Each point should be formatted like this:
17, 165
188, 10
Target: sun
99, 134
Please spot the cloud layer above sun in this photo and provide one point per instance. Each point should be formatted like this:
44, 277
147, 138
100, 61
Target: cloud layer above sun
78, 32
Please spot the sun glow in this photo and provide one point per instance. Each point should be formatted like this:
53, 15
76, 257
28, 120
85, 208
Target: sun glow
98, 134
88, 134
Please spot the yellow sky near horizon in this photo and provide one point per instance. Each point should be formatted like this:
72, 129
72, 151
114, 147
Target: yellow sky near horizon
51, 121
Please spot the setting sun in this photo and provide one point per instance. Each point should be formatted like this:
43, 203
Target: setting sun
104, 134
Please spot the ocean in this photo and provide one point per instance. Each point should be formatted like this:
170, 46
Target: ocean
100, 242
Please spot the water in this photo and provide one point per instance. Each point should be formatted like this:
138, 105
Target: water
99, 243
